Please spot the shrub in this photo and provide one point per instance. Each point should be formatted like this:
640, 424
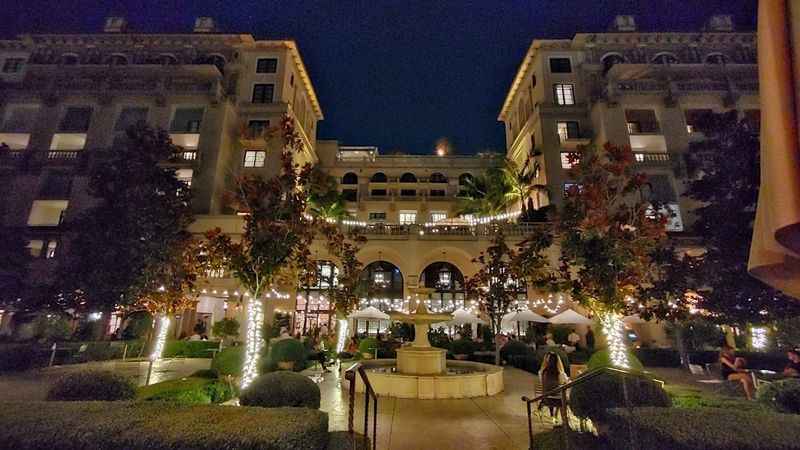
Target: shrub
513, 348
705, 428
288, 350
158, 426
190, 349
602, 358
225, 328
368, 345
206, 373
51, 327
658, 357
593, 398
439, 338
278, 389
229, 361
139, 324
462, 346
17, 357
92, 385
189, 390
560, 333
782, 396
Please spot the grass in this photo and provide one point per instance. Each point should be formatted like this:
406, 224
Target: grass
691, 397
190, 390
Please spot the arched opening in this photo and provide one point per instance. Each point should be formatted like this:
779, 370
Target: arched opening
117, 59
437, 177
610, 60
408, 177
716, 59
312, 306
350, 178
167, 59
381, 285
218, 61
665, 58
379, 177
448, 283
69, 59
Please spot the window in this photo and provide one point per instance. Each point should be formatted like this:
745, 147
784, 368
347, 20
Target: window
350, 178
350, 195
69, 59
377, 217
378, 193
716, 58
20, 119
378, 177
13, 65
76, 120
130, 116
438, 193
47, 213
408, 217
564, 94
438, 178
257, 128
408, 192
560, 65
254, 158
698, 120
117, 60
567, 130
437, 216
408, 178
611, 60
187, 120
665, 58
267, 65
263, 92
641, 121
185, 176
569, 159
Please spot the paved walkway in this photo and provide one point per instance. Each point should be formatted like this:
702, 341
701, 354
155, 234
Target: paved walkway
497, 422
33, 385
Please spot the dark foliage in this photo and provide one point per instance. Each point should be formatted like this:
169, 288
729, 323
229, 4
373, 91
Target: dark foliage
92, 385
279, 389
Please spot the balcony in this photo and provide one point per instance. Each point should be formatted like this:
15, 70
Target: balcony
68, 141
651, 159
647, 142
15, 141
187, 141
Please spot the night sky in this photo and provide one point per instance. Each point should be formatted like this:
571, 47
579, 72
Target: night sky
396, 74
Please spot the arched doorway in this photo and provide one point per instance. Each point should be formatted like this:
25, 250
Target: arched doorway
448, 283
381, 285
312, 306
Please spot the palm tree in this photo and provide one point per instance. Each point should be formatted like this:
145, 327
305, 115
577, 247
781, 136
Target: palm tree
519, 184
324, 198
484, 194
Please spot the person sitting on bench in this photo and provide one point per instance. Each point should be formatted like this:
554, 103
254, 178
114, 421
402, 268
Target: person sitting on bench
733, 369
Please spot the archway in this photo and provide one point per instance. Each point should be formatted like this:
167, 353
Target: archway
448, 284
312, 305
381, 285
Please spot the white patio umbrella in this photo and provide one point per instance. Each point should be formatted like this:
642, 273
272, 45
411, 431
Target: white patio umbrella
571, 317
524, 315
462, 317
369, 313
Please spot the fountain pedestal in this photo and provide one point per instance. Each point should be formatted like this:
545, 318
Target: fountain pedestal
421, 361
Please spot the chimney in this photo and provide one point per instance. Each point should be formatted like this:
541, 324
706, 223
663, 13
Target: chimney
623, 23
204, 25
115, 25
720, 23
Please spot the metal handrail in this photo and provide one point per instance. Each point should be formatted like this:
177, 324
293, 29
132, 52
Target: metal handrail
350, 375
561, 390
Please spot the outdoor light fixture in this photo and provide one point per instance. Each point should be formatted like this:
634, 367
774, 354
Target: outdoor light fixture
758, 338
380, 276
445, 277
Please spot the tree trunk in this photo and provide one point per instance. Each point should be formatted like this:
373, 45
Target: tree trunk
614, 331
680, 342
100, 326
253, 339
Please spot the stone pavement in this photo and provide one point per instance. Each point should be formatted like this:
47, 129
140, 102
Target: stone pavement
34, 384
497, 422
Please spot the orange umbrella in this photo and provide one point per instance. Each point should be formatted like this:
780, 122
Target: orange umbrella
775, 250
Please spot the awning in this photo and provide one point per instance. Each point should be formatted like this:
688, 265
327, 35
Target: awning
571, 317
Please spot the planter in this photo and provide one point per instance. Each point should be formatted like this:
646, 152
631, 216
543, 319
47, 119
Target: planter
461, 357
286, 365
366, 355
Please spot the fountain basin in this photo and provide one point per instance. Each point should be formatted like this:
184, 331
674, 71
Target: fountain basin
421, 360
461, 379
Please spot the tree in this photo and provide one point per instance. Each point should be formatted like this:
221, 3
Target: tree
608, 233
484, 194
226, 328
325, 200
519, 184
142, 211
724, 173
14, 261
276, 236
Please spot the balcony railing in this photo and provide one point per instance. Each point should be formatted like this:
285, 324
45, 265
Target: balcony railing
466, 232
651, 158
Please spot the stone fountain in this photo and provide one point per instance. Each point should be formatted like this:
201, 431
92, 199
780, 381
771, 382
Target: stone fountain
422, 371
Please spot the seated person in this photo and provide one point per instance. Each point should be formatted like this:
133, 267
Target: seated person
733, 369
792, 369
352, 345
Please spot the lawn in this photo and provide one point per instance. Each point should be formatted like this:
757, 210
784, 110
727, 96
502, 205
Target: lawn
687, 396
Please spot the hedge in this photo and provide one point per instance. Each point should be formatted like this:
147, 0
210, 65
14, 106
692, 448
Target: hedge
17, 357
658, 357
190, 349
702, 428
92, 385
602, 358
188, 390
229, 361
782, 395
158, 426
284, 350
592, 399
279, 389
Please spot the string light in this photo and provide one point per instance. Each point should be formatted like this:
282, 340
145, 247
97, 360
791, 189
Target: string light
552, 304
614, 329
759, 338
488, 219
161, 338
341, 336
254, 341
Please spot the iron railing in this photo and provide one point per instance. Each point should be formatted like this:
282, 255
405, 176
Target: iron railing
561, 392
369, 393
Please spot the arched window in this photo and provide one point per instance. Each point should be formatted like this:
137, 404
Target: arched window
610, 60
382, 285
464, 179
448, 283
313, 297
408, 177
665, 58
69, 59
217, 60
350, 178
166, 59
378, 177
716, 58
117, 60
438, 178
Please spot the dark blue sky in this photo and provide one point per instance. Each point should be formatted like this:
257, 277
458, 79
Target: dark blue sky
397, 74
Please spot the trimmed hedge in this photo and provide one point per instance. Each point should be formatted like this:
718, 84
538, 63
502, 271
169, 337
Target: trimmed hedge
602, 358
18, 357
658, 357
368, 345
782, 395
158, 426
279, 389
595, 397
190, 349
463, 346
92, 385
229, 361
192, 390
702, 428
284, 350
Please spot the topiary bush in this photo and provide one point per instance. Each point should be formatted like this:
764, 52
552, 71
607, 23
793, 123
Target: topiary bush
92, 385
191, 390
286, 350
368, 345
782, 396
462, 346
229, 361
279, 389
593, 398
602, 358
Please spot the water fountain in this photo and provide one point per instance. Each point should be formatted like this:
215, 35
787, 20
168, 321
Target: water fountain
422, 371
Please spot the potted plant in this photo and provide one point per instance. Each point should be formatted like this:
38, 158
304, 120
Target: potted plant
367, 347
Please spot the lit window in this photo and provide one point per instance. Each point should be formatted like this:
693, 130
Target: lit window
254, 158
567, 130
560, 65
408, 217
377, 216
437, 216
568, 160
184, 176
35, 247
267, 65
257, 128
47, 212
13, 65
263, 92
564, 94
641, 121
